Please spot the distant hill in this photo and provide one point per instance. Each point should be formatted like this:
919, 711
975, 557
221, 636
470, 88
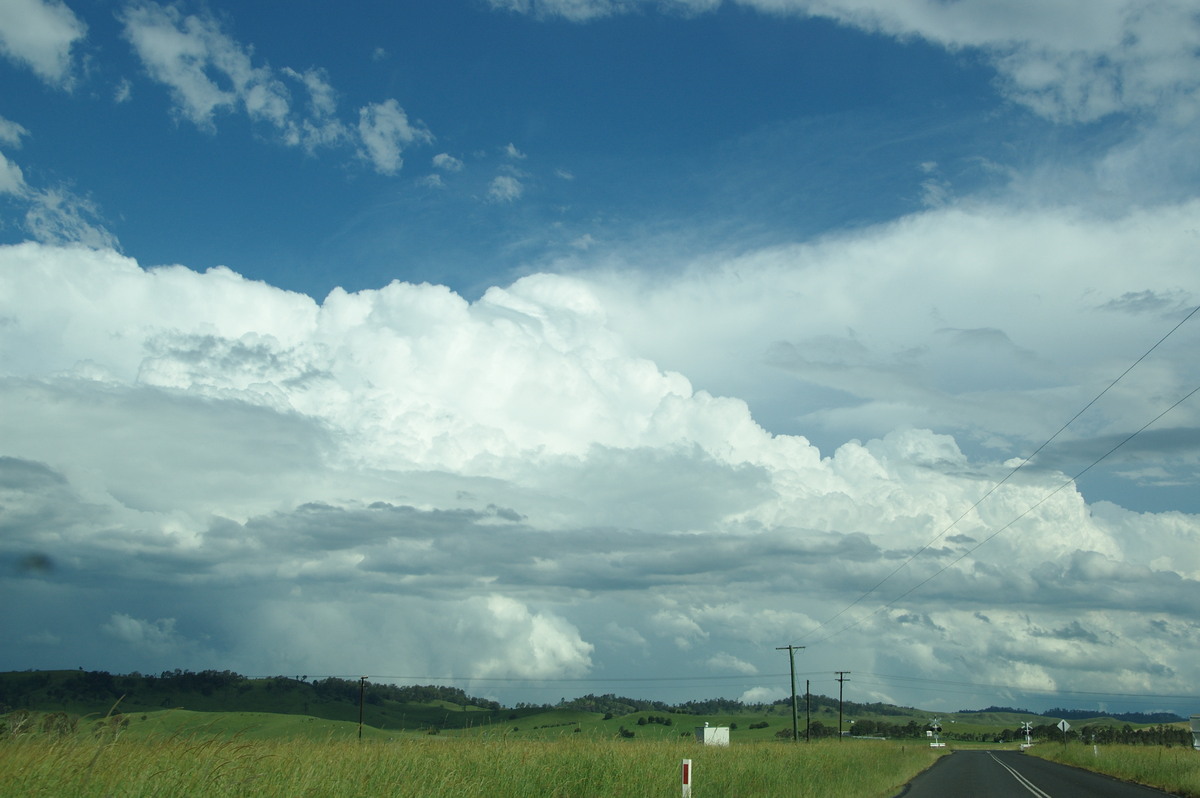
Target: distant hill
385, 706
1087, 714
434, 708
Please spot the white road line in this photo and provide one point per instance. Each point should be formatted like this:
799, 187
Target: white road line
1026, 783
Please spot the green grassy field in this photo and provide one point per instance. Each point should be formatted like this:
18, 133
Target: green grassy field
1175, 770
84, 733
145, 764
531, 753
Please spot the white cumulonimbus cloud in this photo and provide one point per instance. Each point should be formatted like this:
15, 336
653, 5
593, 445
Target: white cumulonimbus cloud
532, 485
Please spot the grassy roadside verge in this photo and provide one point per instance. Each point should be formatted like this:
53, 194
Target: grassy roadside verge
85, 766
1175, 770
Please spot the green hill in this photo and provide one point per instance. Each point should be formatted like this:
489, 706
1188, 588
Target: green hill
222, 703
384, 706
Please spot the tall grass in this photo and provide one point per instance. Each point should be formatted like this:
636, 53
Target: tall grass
81, 765
1175, 770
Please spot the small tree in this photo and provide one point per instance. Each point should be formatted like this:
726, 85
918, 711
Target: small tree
58, 724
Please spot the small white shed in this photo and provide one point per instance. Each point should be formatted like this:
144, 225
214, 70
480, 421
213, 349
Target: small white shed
713, 735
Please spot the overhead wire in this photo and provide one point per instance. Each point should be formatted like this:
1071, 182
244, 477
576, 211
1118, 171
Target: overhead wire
1025, 512
1018, 689
562, 680
996, 486
945, 686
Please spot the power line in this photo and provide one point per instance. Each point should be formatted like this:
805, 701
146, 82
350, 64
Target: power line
540, 680
1025, 461
865, 677
941, 684
1024, 513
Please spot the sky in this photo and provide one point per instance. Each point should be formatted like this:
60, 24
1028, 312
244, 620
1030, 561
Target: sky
553, 347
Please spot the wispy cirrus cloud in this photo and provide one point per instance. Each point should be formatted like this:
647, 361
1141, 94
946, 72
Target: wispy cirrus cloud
12, 179
587, 10
1070, 61
1073, 63
53, 214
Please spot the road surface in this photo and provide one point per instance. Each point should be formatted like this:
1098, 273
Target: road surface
1010, 774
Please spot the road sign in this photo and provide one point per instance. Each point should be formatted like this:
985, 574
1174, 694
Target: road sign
1063, 726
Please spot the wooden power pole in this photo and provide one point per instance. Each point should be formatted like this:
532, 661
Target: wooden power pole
841, 678
791, 650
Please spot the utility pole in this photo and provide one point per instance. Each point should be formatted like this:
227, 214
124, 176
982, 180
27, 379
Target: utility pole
841, 678
807, 712
362, 689
791, 650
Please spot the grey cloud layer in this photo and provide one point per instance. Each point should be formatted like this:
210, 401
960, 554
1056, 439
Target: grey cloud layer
236, 476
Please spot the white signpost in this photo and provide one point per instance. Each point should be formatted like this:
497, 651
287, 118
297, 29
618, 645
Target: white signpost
935, 728
1066, 727
1196, 732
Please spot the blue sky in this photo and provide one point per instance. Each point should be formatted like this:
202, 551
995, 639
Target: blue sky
768, 128
618, 337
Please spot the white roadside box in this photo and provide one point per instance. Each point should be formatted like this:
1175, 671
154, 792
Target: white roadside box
713, 735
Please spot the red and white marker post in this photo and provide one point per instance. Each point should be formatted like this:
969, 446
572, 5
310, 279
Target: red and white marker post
687, 778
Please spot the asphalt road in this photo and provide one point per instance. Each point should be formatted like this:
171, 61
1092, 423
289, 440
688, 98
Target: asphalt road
1010, 774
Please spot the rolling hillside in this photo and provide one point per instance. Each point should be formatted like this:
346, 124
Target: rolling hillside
225, 703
